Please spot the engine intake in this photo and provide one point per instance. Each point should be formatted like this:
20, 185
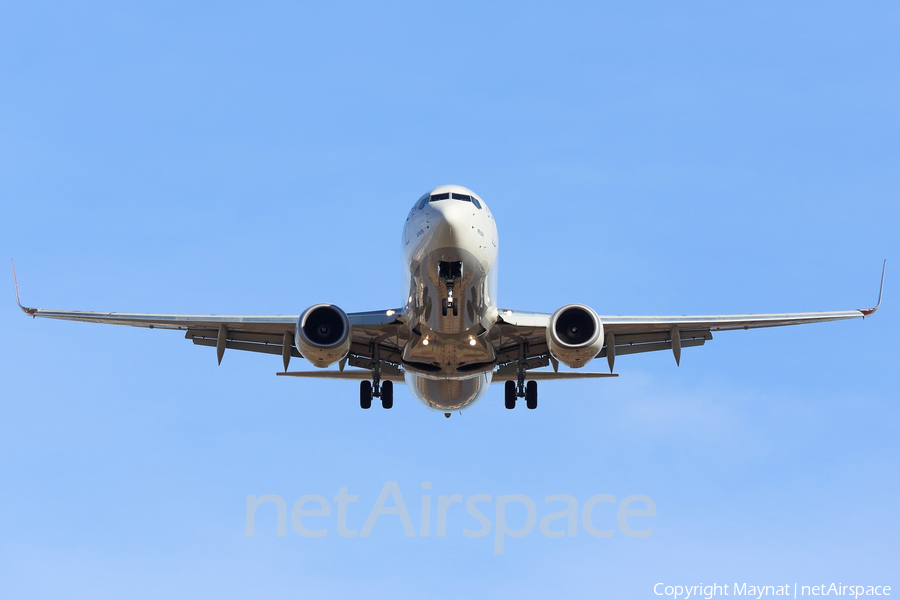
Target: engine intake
575, 335
322, 334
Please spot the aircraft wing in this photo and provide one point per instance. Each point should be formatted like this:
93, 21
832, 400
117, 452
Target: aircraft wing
633, 334
385, 332
271, 334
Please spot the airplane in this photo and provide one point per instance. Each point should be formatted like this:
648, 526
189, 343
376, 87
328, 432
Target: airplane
450, 340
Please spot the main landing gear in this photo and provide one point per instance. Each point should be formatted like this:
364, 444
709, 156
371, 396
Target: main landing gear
530, 395
519, 389
512, 392
367, 391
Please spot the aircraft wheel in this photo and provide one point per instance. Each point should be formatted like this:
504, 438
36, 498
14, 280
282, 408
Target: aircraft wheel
444, 307
510, 394
387, 394
365, 394
531, 395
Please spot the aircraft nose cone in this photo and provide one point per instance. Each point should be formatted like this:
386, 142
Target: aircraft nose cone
450, 213
448, 224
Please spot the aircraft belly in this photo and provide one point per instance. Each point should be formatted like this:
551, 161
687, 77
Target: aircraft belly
448, 395
449, 341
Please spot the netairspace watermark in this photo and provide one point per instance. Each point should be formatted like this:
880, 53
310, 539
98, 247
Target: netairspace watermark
301, 510
709, 591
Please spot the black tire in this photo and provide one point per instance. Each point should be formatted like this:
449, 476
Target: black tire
387, 394
456, 309
444, 306
509, 395
531, 395
365, 394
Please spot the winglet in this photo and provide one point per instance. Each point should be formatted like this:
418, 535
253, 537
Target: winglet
27, 311
871, 311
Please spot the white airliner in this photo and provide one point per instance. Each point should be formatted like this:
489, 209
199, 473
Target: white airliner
449, 340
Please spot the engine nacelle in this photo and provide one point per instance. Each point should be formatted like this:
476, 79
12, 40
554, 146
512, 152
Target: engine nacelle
574, 335
322, 334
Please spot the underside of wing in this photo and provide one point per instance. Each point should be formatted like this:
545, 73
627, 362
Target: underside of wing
377, 338
553, 375
522, 336
388, 374
375, 334
255, 333
525, 339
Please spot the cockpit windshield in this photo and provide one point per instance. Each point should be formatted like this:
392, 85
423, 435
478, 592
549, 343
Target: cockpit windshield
454, 196
450, 196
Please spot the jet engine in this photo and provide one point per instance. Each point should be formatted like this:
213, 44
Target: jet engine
322, 334
575, 335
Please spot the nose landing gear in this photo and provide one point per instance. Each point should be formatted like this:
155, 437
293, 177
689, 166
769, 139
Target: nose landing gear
449, 304
449, 271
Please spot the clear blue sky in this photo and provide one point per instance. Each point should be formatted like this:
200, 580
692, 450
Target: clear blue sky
233, 158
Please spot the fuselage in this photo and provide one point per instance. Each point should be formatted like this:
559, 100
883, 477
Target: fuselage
450, 250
